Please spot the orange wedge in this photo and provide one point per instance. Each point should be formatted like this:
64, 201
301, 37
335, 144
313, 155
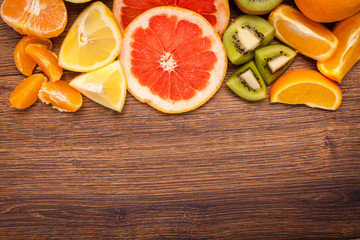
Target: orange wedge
309, 38
61, 95
46, 60
26, 93
348, 52
24, 63
41, 18
305, 86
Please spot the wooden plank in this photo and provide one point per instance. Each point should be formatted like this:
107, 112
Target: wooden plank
228, 170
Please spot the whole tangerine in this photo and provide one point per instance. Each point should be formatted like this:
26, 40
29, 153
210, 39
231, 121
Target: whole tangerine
328, 10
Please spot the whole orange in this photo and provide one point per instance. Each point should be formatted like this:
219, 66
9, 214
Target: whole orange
328, 10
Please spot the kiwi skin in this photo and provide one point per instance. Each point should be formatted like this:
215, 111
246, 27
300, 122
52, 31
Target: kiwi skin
267, 53
261, 27
243, 90
259, 10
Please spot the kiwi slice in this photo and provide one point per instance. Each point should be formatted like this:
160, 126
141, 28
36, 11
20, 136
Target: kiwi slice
247, 83
273, 60
257, 7
245, 34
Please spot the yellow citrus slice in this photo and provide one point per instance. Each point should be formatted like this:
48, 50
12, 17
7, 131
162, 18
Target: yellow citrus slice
106, 86
173, 58
305, 86
93, 41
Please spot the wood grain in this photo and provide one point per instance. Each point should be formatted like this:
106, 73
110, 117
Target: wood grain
228, 170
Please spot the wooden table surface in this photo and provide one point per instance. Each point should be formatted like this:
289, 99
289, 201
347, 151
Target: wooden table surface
228, 170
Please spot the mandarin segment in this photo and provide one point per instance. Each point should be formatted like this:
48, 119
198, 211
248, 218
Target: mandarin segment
305, 86
41, 18
61, 95
25, 63
26, 93
309, 38
348, 52
47, 61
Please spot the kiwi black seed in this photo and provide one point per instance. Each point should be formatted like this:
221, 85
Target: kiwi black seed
273, 60
245, 34
247, 83
257, 7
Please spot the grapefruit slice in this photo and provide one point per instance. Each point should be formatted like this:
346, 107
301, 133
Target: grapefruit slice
173, 59
215, 11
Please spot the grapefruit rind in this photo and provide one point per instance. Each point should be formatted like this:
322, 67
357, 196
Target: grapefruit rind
143, 93
222, 16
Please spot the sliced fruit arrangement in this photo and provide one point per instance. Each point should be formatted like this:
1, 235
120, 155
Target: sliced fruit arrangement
244, 35
257, 7
273, 60
25, 63
305, 86
41, 18
328, 10
61, 95
247, 83
106, 86
294, 29
215, 11
26, 93
348, 52
47, 61
93, 41
173, 58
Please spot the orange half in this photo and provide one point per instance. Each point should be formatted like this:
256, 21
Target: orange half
305, 86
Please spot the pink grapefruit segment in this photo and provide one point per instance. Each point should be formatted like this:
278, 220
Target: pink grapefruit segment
174, 59
216, 12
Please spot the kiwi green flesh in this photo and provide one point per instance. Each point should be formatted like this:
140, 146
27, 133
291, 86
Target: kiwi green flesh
257, 6
273, 60
247, 83
244, 35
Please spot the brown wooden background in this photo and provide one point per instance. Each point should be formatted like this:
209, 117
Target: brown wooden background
228, 170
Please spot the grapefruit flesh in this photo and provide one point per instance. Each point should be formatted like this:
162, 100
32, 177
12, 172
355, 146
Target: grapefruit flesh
216, 12
173, 58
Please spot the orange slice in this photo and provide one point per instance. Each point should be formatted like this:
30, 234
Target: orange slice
305, 86
24, 63
309, 38
41, 18
173, 59
46, 60
216, 12
61, 95
348, 52
26, 93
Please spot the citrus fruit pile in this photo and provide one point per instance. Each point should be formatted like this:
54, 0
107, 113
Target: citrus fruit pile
173, 54
336, 51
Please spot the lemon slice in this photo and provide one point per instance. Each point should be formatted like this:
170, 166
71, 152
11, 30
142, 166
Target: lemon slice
93, 41
106, 86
